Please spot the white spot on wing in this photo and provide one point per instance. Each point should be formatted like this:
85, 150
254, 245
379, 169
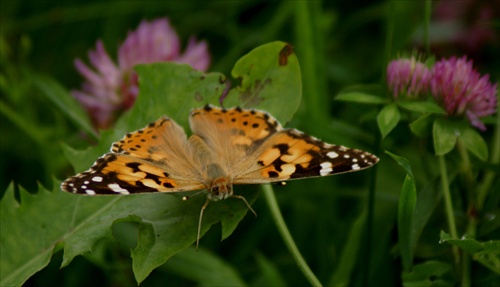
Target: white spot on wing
117, 188
355, 166
97, 178
90, 192
326, 168
332, 154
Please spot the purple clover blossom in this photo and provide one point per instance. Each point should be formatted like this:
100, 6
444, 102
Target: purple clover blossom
408, 76
462, 91
111, 89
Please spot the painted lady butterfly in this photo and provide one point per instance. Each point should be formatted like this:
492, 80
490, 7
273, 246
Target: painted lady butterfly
228, 146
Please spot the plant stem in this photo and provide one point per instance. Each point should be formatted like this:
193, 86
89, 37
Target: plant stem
287, 237
448, 205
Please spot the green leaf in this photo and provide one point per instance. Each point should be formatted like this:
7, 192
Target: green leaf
270, 80
428, 199
445, 135
387, 119
21, 256
171, 89
359, 97
65, 102
168, 225
429, 273
487, 253
423, 107
204, 267
422, 126
475, 143
403, 162
81, 160
406, 212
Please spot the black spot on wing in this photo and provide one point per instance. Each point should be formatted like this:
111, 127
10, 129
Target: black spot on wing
301, 172
155, 178
134, 166
273, 174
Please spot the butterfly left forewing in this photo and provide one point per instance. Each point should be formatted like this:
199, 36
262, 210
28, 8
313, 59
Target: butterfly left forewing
291, 154
157, 158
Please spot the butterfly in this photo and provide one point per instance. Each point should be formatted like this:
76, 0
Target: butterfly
227, 147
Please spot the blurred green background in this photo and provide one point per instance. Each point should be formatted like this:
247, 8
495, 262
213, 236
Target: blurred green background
338, 43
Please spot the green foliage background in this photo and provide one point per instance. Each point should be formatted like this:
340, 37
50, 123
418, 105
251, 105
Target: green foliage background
339, 45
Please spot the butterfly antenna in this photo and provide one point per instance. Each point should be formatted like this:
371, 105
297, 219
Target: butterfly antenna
199, 222
246, 202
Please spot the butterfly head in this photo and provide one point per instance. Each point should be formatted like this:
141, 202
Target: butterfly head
221, 188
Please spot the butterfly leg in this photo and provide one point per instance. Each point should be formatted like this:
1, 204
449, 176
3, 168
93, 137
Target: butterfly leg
246, 202
199, 222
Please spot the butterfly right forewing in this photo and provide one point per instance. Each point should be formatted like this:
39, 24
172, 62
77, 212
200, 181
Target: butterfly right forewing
291, 154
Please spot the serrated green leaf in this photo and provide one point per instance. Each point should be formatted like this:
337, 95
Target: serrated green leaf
429, 273
168, 225
423, 107
64, 101
406, 212
359, 97
475, 143
445, 135
387, 119
21, 256
270, 80
158, 241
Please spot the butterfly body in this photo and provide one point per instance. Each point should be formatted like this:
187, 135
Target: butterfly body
227, 147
